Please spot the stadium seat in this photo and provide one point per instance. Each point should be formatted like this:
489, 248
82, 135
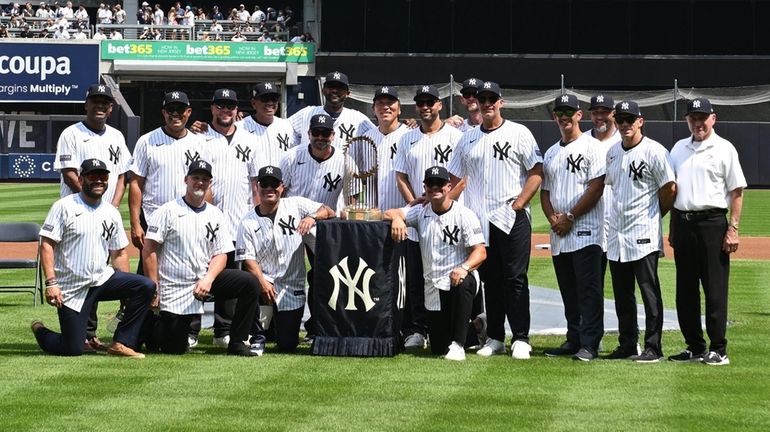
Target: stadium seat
22, 232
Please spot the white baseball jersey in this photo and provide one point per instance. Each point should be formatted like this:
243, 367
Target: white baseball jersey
387, 148
84, 237
605, 145
466, 126
567, 170
233, 165
445, 240
277, 247
78, 143
706, 172
163, 160
188, 239
496, 163
320, 181
350, 123
277, 139
635, 177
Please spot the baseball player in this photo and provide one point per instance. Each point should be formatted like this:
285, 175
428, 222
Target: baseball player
348, 123
432, 144
93, 138
452, 247
643, 190
266, 125
504, 169
573, 183
185, 253
710, 184
468, 99
269, 246
78, 236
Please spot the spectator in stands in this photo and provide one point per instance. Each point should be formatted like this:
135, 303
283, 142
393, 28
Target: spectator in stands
189, 17
50, 25
16, 10
238, 37
44, 34
81, 14
141, 13
205, 36
28, 11
99, 35
247, 28
157, 35
272, 15
243, 14
146, 34
265, 37
233, 15
104, 14
215, 28
26, 32
78, 34
14, 22
116, 35
61, 33
119, 14
288, 16
201, 14
67, 11
158, 17
4, 32
216, 14
42, 11
279, 22
258, 16
62, 22
82, 24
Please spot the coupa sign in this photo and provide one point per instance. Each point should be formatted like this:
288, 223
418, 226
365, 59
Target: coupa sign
47, 72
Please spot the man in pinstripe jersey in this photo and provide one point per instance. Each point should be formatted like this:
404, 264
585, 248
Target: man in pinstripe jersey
432, 144
265, 124
643, 191
468, 99
573, 183
185, 253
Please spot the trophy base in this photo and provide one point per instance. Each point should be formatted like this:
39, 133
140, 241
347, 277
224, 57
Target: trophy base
357, 214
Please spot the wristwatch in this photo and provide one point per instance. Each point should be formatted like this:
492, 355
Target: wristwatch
571, 217
465, 267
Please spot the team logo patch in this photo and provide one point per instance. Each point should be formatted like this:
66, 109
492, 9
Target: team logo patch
240, 251
152, 229
47, 227
643, 241
584, 233
64, 158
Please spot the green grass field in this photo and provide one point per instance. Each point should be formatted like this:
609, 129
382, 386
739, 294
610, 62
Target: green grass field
207, 390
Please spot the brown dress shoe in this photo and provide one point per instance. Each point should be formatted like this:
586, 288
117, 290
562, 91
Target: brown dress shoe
36, 325
96, 344
118, 349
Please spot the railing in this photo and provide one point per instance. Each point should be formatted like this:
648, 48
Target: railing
178, 32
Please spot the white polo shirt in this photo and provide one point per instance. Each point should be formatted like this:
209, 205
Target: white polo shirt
84, 237
635, 176
706, 173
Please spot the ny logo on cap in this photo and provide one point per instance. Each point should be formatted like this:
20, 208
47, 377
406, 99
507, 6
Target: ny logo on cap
322, 119
565, 98
175, 95
268, 86
624, 105
225, 93
472, 81
600, 98
384, 90
425, 89
696, 104
269, 170
101, 88
337, 75
434, 171
95, 162
202, 165
487, 85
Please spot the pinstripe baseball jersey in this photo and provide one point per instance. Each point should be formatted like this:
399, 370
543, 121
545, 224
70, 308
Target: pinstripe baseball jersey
496, 163
387, 148
233, 165
278, 138
635, 176
605, 145
277, 248
567, 170
320, 181
444, 244
350, 123
84, 237
188, 239
78, 143
163, 160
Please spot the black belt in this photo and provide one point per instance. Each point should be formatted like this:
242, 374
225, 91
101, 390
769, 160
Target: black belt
694, 216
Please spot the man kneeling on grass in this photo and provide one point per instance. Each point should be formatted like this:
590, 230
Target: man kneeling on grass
78, 235
452, 247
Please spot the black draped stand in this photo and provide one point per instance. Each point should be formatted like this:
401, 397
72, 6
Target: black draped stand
358, 289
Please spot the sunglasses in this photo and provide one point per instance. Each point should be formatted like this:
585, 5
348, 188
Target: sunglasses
469, 94
435, 182
625, 119
488, 99
566, 112
175, 109
227, 106
425, 102
269, 98
326, 133
92, 177
269, 183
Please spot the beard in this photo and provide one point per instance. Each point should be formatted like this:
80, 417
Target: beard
198, 193
601, 129
90, 193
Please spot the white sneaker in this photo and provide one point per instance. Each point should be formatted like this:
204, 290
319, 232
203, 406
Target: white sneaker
456, 352
192, 342
492, 347
520, 350
415, 341
221, 342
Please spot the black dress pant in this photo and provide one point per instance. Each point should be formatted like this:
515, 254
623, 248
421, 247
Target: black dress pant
645, 272
224, 310
579, 276
452, 322
287, 324
699, 260
415, 315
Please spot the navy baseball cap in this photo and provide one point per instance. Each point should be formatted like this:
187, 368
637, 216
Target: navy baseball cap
699, 105
176, 97
199, 165
386, 91
628, 107
321, 121
337, 77
490, 87
99, 90
471, 84
566, 101
225, 95
265, 88
90, 165
427, 90
436, 172
602, 101
269, 171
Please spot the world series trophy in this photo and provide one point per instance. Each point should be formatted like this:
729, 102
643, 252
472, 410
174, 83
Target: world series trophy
360, 184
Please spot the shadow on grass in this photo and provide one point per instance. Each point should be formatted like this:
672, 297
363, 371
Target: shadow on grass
21, 349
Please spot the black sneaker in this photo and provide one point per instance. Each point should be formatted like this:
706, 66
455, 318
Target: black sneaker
648, 356
623, 353
240, 349
686, 356
713, 358
584, 354
565, 349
